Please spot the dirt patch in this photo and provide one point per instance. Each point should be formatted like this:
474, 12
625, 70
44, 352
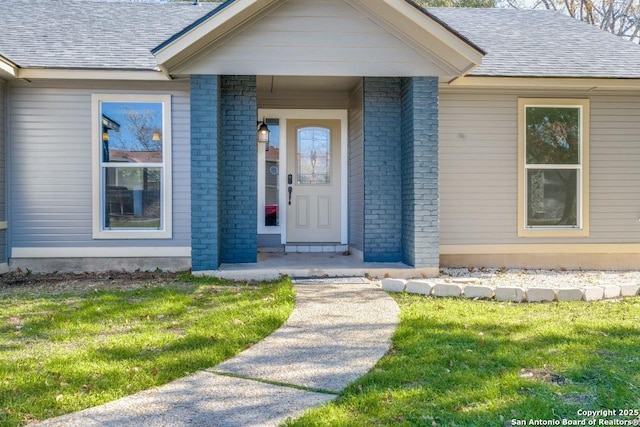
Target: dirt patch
584, 400
544, 375
20, 282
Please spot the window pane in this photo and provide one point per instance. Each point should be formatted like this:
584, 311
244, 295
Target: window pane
552, 197
132, 198
131, 132
314, 145
553, 135
272, 167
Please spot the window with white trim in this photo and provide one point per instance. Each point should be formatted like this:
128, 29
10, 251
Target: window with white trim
131, 166
553, 170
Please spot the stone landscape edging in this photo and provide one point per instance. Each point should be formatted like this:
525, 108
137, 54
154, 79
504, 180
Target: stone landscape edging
462, 288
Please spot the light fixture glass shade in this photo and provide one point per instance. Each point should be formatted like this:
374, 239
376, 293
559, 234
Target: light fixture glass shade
105, 136
156, 136
263, 133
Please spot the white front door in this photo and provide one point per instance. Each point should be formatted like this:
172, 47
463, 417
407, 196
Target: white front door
313, 181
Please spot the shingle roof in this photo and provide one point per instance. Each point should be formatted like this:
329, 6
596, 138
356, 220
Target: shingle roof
539, 43
93, 34
90, 34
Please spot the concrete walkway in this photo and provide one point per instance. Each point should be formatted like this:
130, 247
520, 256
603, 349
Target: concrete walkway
338, 330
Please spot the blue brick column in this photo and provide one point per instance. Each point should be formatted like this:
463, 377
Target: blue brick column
238, 170
382, 169
420, 186
205, 236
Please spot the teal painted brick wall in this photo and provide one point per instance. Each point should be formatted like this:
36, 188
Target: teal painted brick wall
401, 196
382, 169
420, 187
205, 194
238, 170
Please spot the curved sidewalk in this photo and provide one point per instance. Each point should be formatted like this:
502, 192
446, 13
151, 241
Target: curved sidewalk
338, 330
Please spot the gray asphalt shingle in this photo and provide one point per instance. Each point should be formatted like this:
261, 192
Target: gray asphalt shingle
93, 34
540, 43
90, 34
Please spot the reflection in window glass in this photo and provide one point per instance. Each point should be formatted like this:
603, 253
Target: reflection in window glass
272, 170
553, 165
313, 152
552, 197
132, 198
131, 165
131, 132
553, 135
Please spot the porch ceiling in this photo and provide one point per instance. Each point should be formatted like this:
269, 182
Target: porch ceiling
288, 92
293, 84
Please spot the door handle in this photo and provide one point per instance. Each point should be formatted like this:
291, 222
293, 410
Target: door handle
290, 190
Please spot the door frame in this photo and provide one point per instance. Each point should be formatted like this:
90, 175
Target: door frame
291, 114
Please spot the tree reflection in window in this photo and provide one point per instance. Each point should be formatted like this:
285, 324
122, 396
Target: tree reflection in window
553, 138
132, 164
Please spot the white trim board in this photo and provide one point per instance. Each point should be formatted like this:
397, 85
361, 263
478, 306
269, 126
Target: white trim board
7, 68
283, 115
64, 74
111, 252
541, 248
98, 177
556, 83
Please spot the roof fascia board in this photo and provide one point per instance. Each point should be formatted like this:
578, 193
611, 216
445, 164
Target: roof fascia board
473, 82
221, 21
8, 68
67, 74
411, 23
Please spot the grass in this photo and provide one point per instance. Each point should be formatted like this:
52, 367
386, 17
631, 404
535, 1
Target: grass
473, 363
64, 351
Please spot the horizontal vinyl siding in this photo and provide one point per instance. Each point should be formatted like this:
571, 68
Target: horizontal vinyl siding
3, 199
615, 169
312, 37
51, 171
3, 132
479, 170
356, 170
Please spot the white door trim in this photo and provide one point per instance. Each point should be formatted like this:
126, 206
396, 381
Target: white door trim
283, 115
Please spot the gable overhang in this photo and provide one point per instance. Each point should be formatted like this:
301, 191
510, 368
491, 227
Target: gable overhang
424, 34
8, 70
206, 31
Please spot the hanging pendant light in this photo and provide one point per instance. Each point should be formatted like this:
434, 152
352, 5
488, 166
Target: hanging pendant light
263, 134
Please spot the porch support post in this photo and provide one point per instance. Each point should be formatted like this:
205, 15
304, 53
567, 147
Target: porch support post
238, 170
205, 194
400, 150
420, 187
382, 225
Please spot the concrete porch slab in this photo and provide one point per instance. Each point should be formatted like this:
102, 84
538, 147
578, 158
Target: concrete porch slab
271, 266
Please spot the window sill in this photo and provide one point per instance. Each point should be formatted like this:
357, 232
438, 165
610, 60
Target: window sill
132, 234
546, 232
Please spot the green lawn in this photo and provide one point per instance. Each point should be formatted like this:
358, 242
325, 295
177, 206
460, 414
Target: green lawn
477, 363
64, 351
